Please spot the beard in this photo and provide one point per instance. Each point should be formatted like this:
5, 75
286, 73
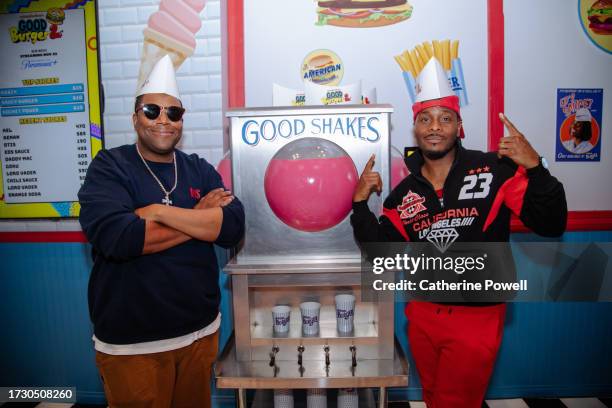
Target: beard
437, 155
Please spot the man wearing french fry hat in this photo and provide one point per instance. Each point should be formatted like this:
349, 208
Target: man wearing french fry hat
152, 214
454, 196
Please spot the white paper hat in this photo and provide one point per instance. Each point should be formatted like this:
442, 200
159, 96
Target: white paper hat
162, 79
583, 115
432, 82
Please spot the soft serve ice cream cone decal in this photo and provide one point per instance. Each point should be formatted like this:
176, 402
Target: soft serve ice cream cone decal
170, 31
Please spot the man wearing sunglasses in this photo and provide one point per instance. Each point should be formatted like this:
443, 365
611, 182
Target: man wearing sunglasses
152, 214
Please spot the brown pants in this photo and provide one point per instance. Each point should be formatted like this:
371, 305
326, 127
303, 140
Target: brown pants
176, 378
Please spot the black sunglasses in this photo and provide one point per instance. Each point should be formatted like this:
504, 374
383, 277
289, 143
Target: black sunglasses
152, 111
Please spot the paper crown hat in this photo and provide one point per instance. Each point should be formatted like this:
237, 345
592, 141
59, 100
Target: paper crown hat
583, 115
162, 79
433, 89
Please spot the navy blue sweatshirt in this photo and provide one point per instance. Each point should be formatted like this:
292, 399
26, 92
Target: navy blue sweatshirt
132, 297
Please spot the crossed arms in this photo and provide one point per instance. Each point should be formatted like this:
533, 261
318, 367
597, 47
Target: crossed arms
166, 226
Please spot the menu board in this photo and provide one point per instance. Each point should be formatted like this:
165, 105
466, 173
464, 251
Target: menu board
49, 131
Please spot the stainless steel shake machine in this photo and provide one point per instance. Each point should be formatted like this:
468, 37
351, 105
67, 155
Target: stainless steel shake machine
294, 169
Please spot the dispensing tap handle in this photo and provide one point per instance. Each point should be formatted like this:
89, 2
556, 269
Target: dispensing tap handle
273, 356
300, 351
272, 360
354, 355
326, 349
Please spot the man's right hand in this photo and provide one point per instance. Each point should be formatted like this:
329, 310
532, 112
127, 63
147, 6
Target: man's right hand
368, 182
218, 197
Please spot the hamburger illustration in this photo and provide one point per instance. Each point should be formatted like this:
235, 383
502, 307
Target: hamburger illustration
600, 17
55, 16
362, 13
322, 67
319, 63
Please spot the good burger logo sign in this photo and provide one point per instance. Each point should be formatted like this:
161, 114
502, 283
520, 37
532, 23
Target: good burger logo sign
33, 28
322, 67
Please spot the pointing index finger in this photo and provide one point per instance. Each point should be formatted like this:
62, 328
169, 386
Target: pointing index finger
509, 125
370, 164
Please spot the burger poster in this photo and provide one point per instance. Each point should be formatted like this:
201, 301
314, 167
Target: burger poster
362, 13
579, 113
596, 20
49, 107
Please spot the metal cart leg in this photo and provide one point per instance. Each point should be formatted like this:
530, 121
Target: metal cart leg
242, 403
382, 397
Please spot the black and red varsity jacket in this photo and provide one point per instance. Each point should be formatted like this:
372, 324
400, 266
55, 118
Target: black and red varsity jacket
479, 195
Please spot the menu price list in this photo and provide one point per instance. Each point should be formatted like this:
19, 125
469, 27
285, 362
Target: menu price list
20, 179
47, 166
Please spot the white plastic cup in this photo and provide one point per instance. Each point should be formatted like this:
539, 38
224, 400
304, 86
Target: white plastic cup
348, 398
345, 312
310, 317
283, 398
281, 315
316, 398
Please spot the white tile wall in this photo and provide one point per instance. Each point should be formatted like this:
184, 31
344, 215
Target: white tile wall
121, 24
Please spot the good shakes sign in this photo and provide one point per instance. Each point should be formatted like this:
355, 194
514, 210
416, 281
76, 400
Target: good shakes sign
362, 128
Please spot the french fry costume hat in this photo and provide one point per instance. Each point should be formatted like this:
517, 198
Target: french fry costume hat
432, 89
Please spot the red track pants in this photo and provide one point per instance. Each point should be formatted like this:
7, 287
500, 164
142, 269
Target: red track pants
454, 348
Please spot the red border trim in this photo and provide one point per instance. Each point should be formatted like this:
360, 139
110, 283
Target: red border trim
31, 237
495, 21
577, 221
235, 53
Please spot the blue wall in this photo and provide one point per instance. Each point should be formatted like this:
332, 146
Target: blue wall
549, 349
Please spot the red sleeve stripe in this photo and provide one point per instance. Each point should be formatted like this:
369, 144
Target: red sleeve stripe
393, 216
511, 193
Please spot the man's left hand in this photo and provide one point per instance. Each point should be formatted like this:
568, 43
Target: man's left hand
218, 197
516, 147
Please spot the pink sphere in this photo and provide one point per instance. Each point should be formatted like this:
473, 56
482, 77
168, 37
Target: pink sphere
309, 184
399, 171
224, 168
